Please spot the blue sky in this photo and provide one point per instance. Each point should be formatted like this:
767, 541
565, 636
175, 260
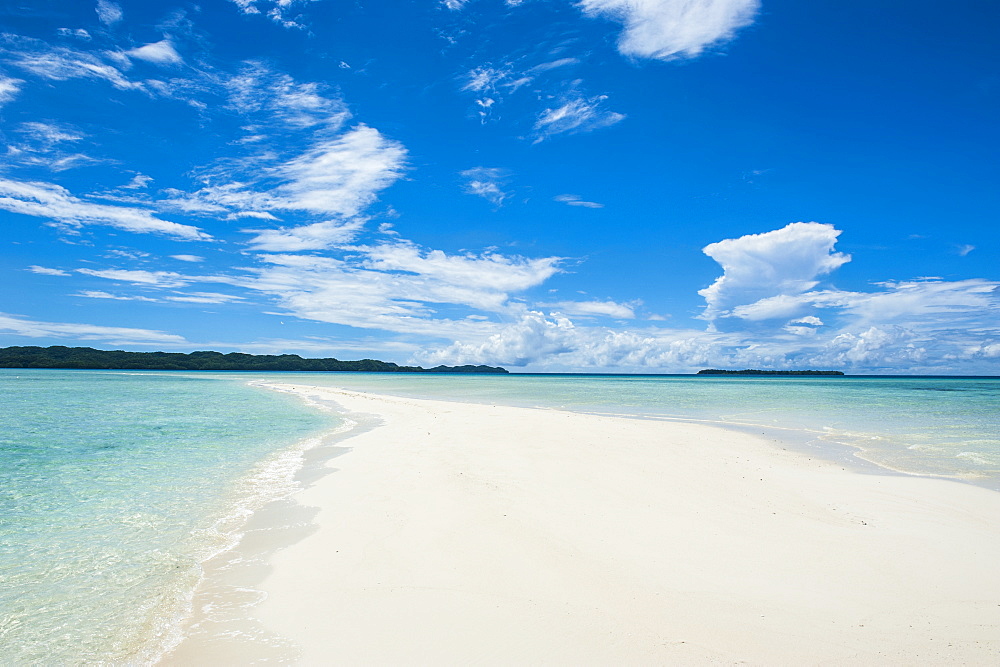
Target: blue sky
652, 186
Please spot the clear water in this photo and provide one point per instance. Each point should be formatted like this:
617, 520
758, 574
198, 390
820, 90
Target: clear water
116, 486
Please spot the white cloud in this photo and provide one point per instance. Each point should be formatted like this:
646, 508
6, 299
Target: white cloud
593, 308
575, 200
49, 133
138, 182
188, 258
776, 265
275, 97
575, 114
964, 250
670, 29
317, 236
151, 278
98, 294
45, 271
342, 175
486, 182
278, 11
491, 271
78, 32
554, 64
20, 326
109, 12
876, 346
9, 88
54, 202
337, 176
159, 53
204, 297
61, 63
531, 338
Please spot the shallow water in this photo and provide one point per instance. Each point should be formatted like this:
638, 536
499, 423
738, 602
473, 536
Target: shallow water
116, 487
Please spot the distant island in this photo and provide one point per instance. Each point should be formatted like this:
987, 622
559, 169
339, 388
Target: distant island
751, 371
58, 356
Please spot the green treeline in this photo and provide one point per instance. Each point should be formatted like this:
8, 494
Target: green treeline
58, 356
750, 371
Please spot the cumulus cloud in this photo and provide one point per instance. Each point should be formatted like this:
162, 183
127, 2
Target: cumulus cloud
159, 53
575, 114
556, 341
20, 326
486, 182
55, 203
776, 266
671, 29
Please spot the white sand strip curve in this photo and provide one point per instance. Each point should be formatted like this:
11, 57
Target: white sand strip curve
457, 534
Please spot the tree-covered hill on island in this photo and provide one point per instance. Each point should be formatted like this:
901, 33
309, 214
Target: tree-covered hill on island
58, 356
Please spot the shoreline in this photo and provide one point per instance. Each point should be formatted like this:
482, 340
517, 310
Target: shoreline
497, 534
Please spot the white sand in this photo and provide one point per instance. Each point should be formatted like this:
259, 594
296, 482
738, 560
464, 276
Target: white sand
456, 534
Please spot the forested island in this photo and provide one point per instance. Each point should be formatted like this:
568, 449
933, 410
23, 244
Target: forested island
58, 356
751, 371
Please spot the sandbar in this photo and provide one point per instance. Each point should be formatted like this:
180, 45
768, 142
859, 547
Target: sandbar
456, 533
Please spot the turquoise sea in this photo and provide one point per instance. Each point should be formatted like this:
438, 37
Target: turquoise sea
116, 486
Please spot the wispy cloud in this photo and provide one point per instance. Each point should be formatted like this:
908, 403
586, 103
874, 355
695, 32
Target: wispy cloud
59, 63
138, 277
188, 258
575, 114
9, 88
317, 236
486, 182
279, 11
670, 29
20, 326
55, 203
575, 200
613, 309
45, 271
109, 12
338, 176
273, 99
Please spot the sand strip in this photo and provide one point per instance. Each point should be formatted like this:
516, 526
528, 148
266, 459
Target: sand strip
457, 534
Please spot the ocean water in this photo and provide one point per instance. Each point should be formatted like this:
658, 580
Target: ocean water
115, 486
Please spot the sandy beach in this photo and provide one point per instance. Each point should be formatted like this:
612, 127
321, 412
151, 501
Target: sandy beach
458, 533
